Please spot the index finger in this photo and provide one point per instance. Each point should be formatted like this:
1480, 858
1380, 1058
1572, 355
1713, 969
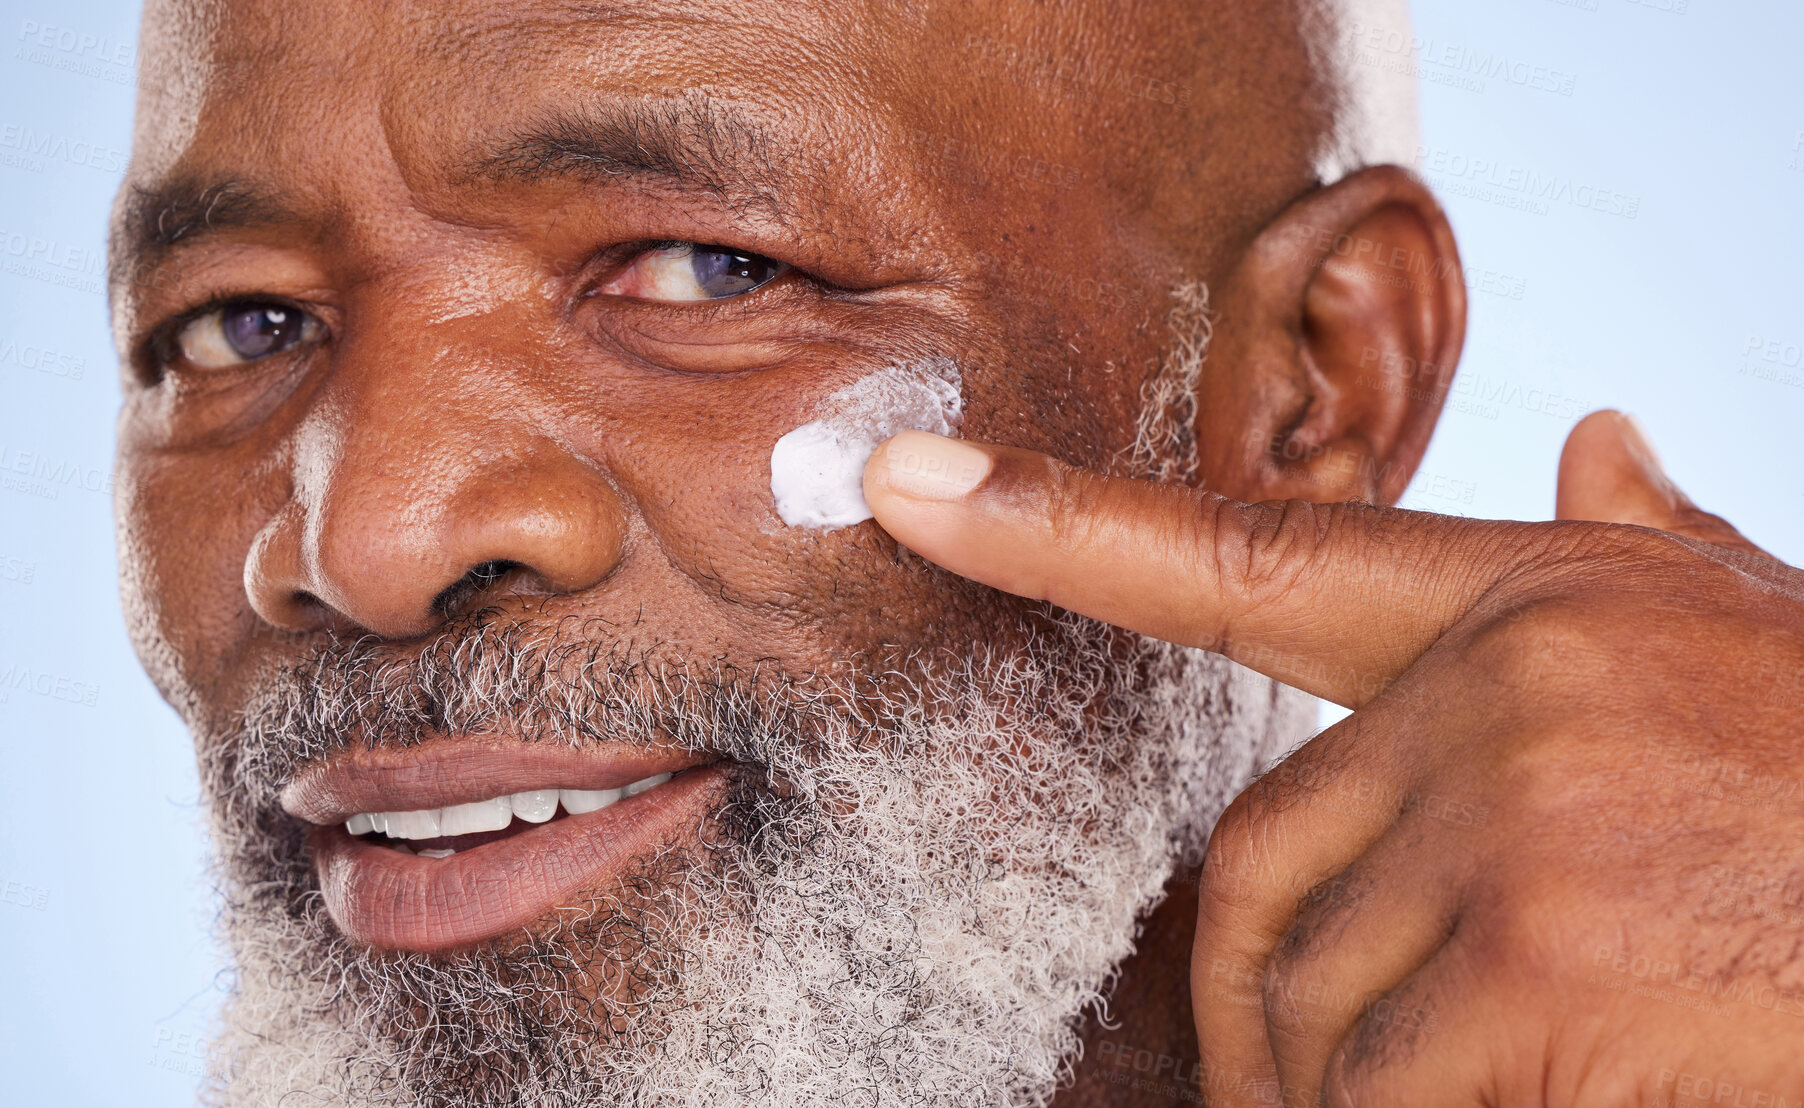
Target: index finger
1334, 599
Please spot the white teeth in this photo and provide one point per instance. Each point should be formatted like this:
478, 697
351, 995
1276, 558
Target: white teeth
651, 782
535, 807
467, 819
422, 824
579, 801
442, 852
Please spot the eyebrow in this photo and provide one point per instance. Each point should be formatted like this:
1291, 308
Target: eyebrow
693, 141
154, 219
694, 144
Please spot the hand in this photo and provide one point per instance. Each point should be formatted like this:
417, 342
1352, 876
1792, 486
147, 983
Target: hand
1556, 854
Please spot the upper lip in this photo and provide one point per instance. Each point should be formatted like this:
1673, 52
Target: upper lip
449, 770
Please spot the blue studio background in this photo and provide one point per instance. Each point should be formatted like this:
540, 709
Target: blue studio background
1665, 279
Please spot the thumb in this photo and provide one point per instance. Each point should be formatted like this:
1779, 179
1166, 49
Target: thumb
1609, 473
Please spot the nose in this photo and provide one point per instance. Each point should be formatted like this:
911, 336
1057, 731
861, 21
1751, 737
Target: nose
420, 490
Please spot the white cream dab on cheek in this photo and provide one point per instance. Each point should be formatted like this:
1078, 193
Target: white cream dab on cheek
817, 470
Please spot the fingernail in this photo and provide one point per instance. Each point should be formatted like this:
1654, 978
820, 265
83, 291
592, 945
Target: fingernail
926, 466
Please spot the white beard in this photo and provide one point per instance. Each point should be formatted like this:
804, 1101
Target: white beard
923, 920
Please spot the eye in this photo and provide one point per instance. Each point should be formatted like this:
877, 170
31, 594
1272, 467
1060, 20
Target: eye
686, 271
243, 331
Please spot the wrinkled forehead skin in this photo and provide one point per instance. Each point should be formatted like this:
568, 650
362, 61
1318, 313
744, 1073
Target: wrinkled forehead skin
1133, 128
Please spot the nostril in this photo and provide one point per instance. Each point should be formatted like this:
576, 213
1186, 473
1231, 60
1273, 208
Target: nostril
491, 571
478, 580
307, 612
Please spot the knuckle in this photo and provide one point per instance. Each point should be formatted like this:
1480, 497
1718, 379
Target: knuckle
1224, 957
1543, 643
1072, 503
1326, 760
1616, 560
1231, 860
1247, 857
1261, 551
1549, 789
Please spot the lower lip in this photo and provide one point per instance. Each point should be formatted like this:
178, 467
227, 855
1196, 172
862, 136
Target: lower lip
387, 899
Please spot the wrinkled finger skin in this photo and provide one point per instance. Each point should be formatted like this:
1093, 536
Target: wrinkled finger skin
1557, 854
1603, 785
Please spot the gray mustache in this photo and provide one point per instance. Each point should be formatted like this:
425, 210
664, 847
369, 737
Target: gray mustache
569, 681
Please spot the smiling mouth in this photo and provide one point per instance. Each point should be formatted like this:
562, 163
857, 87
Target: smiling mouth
457, 839
439, 833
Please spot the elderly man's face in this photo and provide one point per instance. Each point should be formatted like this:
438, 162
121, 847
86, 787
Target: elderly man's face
488, 356
459, 337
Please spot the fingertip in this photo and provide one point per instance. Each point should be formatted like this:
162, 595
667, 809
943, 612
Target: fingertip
1610, 473
1612, 432
1637, 443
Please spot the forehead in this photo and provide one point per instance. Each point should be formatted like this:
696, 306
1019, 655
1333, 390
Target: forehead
353, 114
434, 86
432, 81
881, 122
418, 48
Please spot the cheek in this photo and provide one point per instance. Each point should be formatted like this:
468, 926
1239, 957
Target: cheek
696, 461
184, 525
693, 457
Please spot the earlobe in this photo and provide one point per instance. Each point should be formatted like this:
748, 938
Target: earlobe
1338, 340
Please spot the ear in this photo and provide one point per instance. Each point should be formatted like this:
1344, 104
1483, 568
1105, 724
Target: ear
1338, 334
